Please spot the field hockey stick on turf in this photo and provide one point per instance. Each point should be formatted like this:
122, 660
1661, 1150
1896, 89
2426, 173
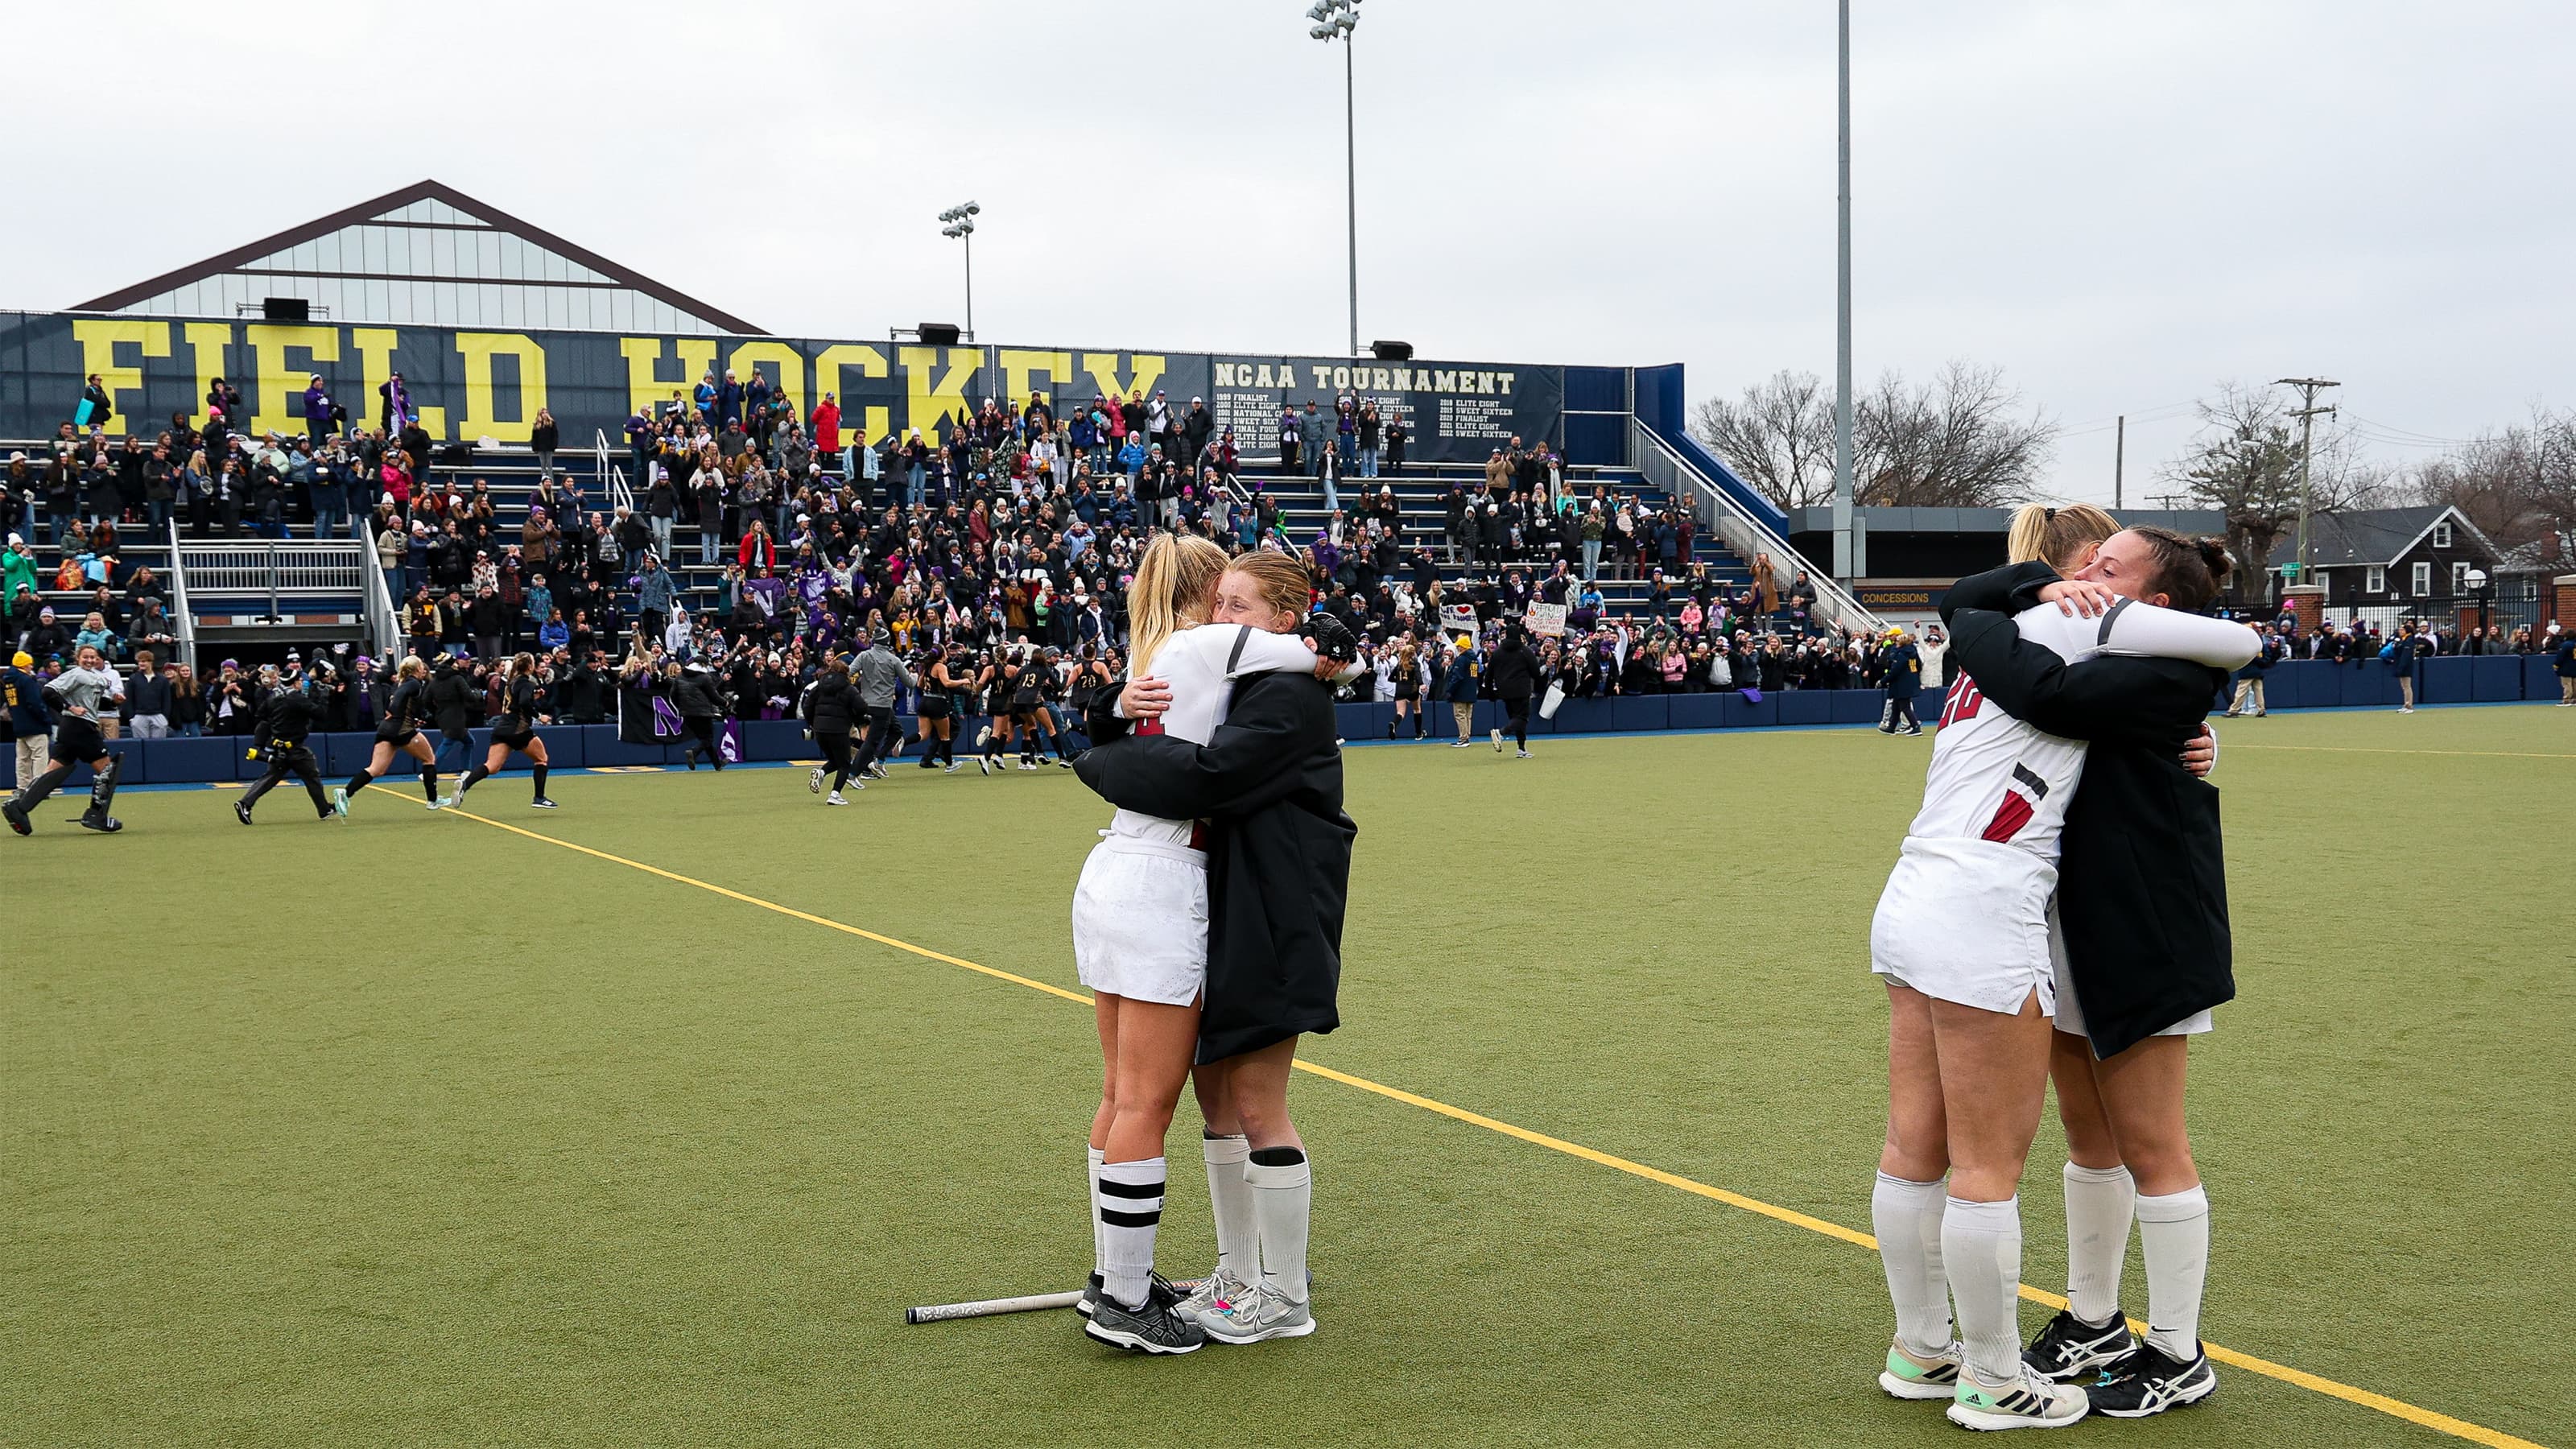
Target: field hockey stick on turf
988, 1307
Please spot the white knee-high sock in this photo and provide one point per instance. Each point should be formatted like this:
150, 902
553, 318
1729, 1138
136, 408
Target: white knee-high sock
1981, 1246
1238, 1233
1907, 1217
2174, 1229
1092, 1198
1283, 1196
2098, 1203
1131, 1208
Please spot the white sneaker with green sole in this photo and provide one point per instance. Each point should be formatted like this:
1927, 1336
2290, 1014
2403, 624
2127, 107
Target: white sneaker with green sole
1909, 1377
2030, 1403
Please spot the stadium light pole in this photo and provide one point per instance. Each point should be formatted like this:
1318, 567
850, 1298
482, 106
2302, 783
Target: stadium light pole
1843, 305
961, 225
1337, 19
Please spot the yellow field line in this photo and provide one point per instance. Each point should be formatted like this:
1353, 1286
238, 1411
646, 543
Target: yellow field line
2368, 750
2396, 1408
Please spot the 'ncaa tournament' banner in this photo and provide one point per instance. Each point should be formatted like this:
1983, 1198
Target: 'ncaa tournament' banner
470, 384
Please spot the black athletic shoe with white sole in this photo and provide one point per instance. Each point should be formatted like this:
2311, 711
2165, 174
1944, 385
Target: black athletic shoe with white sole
1090, 1300
2147, 1383
2070, 1348
1155, 1326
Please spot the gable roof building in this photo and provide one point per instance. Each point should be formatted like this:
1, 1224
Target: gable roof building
2381, 536
427, 255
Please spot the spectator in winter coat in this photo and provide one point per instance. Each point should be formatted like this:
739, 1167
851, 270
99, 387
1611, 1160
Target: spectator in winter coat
1458, 685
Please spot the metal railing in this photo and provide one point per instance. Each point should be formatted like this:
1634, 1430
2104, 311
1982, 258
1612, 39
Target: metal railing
611, 477
187, 620
384, 625
279, 570
1748, 536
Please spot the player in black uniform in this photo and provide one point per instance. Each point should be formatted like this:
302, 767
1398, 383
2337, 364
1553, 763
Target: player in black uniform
285, 718
949, 678
828, 706
516, 731
400, 733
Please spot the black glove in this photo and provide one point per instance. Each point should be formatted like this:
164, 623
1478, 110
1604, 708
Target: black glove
1331, 637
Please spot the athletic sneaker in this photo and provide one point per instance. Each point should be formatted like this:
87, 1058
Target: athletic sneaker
340, 801
814, 781
1263, 1313
103, 824
689, 757
1215, 1292
982, 735
241, 811
953, 767
453, 801
2033, 1403
542, 803
2070, 1348
1462, 744
1028, 764
834, 799
1524, 754
1089, 1302
2147, 1383
984, 763
16, 815
1908, 1377
1498, 742
437, 804
1155, 1326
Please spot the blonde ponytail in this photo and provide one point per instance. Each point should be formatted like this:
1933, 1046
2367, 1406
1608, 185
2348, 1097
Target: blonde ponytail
2055, 536
1170, 593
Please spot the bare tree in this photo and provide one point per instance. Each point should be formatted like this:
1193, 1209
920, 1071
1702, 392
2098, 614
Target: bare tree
1954, 443
1779, 437
2518, 485
2244, 462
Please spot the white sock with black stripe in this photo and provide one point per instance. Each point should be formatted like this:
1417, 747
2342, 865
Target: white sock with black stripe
1131, 1208
1907, 1217
2098, 1206
1092, 1175
1283, 1199
1238, 1230
2174, 1229
1981, 1246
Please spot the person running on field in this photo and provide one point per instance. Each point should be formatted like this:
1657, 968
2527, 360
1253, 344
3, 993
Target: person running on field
79, 698
286, 719
515, 732
398, 733
830, 707
1140, 943
1962, 936
698, 697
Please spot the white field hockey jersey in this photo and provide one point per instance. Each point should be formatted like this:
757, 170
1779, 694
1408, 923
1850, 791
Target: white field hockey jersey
1995, 778
1201, 666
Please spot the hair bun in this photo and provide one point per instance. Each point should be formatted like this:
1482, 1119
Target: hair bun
2213, 552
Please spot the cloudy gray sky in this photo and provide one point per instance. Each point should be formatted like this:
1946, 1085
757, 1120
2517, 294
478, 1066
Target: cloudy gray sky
2119, 203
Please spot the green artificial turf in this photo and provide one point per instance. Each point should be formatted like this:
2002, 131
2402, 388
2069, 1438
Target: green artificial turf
411, 1131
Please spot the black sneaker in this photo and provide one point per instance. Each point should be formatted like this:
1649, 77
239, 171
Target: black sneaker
2148, 1383
241, 812
1090, 1301
2070, 1348
541, 803
16, 815
103, 823
1155, 1326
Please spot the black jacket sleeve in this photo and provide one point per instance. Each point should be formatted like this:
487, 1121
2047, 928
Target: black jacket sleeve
1277, 720
2153, 702
2007, 590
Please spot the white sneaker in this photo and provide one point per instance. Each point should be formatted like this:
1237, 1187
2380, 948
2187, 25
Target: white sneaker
1909, 1377
1462, 744
1215, 1291
953, 767
1028, 764
1525, 754
984, 763
834, 799
2032, 1403
1498, 742
814, 781
1267, 1313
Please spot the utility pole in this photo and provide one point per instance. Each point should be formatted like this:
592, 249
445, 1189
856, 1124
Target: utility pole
2119, 460
2307, 415
1843, 308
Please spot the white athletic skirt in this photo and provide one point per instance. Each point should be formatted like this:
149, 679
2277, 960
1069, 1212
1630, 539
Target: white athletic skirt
1140, 920
1968, 921
2070, 1012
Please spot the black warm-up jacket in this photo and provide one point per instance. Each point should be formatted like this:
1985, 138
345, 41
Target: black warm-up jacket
1269, 783
2142, 877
